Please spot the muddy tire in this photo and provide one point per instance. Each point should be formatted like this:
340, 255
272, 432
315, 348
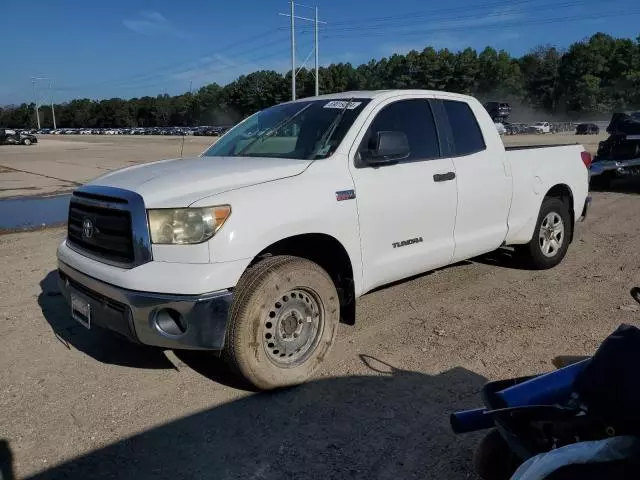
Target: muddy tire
551, 236
283, 322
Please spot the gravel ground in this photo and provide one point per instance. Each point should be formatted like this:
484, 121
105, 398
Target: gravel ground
87, 404
59, 164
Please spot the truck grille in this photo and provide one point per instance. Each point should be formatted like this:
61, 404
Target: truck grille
110, 236
109, 225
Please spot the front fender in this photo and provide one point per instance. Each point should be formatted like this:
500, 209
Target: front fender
267, 213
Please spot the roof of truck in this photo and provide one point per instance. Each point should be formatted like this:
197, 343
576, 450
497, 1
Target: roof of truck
380, 93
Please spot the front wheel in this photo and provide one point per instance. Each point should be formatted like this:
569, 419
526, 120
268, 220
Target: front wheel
551, 236
283, 322
26, 141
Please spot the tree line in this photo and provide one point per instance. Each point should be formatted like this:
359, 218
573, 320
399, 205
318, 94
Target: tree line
592, 77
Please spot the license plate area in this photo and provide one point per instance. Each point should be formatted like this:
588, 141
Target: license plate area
81, 310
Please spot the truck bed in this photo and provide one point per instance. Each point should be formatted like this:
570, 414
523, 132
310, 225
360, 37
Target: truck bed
531, 147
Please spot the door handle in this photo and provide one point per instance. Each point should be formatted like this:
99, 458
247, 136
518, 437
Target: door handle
444, 177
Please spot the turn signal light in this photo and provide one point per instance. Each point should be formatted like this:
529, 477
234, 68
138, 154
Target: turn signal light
586, 159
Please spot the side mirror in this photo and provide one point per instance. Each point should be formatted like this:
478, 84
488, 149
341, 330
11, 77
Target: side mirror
389, 147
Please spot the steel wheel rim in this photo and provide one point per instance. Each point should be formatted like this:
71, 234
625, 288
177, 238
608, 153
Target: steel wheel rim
292, 327
551, 234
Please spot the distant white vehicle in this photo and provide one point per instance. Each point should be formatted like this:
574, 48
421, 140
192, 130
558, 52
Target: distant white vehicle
500, 128
541, 127
85, 132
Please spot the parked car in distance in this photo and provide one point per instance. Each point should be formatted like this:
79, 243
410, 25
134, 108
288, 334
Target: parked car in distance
498, 111
587, 129
14, 137
500, 127
619, 155
192, 261
540, 127
515, 128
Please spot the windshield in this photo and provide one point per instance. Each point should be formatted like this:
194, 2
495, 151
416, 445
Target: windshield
291, 130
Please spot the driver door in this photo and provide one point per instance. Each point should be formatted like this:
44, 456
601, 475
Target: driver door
406, 209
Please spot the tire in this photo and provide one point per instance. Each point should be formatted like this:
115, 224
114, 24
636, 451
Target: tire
547, 248
264, 344
26, 141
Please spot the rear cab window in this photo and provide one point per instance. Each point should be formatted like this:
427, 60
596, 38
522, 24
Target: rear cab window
466, 135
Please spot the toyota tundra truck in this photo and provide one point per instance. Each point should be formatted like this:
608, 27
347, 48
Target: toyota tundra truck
258, 248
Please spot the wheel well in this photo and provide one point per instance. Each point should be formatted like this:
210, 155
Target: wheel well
327, 252
563, 192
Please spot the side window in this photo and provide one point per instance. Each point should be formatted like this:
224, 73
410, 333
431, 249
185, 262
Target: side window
415, 120
467, 136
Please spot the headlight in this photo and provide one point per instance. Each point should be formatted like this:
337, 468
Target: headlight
186, 225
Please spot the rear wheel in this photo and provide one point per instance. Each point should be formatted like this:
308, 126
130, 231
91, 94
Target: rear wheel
551, 236
283, 322
26, 141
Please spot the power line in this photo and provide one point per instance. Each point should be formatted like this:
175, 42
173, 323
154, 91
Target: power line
389, 25
430, 13
358, 33
169, 68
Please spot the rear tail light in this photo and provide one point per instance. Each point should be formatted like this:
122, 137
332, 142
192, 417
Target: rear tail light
586, 159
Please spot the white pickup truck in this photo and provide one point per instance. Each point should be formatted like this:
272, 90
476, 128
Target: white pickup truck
259, 247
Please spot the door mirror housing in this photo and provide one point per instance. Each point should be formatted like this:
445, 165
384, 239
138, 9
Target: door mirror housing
389, 147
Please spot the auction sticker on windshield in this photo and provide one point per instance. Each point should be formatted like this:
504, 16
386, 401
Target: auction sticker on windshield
342, 104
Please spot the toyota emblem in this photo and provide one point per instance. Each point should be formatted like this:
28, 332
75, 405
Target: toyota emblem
87, 228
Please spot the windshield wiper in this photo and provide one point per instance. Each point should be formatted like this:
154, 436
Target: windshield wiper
322, 143
269, 133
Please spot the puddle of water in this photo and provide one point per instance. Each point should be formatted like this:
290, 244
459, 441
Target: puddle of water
33, 212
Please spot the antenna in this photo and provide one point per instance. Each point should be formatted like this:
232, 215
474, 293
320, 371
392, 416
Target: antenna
182, 146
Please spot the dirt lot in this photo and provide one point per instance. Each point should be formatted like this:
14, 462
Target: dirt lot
61, 163
87, 404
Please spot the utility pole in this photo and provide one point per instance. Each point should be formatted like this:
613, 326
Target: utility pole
293, 52
35, 94
315, 42
316, 22
53, 112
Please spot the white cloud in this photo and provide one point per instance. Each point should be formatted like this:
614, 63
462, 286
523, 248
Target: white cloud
153, 24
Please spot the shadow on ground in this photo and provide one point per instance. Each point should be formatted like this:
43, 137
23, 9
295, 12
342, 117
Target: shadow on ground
212, 367
100, 344
388, 425
505, 257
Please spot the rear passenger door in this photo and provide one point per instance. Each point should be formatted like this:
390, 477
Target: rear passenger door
406, 209
484, 186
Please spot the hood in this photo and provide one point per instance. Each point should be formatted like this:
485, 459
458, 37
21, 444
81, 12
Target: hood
181, 182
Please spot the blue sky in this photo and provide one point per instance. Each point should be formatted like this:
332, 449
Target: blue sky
128, 48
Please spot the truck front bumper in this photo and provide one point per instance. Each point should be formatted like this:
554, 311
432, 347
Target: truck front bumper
171, 321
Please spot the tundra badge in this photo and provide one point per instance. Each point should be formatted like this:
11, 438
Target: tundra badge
404, 243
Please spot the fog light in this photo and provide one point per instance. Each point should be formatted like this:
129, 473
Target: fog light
170, 322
